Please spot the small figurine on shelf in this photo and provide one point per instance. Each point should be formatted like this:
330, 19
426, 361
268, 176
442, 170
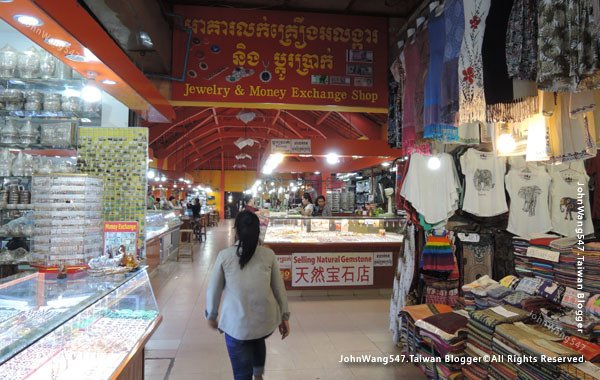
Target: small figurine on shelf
128, 260
62, 271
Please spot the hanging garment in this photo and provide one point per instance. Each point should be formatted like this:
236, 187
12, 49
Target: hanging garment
593, 169
477, 258
521, 40
470, 67
468, 134
569, 207
395, 100
433, 126
433, 193
402, 280
455, 29
567, 45
411, 60
528, 189
504, 256
570, 137
503, 103
484, 183
422, 42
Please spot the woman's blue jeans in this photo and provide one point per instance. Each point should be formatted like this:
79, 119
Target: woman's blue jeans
247, 357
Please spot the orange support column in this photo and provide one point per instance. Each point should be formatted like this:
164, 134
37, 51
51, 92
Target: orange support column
222, 190
325, 178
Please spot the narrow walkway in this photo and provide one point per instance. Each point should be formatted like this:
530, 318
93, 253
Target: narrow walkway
322, 329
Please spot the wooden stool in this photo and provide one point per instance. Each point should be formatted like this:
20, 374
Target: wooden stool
200, 228
186, 242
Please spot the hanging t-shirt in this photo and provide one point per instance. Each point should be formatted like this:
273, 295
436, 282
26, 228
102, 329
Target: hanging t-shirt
433, 192
484, 183
529, 189
570, 203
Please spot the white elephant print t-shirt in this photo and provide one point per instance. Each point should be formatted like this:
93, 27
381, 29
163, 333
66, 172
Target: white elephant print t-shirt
484, 183
529, 190
570, 203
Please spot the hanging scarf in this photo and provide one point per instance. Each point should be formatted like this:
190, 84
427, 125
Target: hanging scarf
506, 100
521, 41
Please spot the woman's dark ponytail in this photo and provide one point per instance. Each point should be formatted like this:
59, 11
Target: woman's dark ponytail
247, 227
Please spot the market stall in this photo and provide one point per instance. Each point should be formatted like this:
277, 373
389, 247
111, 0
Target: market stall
336, 253
79, 327
162, 236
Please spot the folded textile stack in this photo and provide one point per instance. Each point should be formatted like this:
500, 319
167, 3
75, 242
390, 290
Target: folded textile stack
574, 258
527, 341
522, 265
412, 342
445, 334
567, 320
481, 329
590, 351
542, 258
580, 371
476, 292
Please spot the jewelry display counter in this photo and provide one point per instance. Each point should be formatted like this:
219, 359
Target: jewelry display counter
162, 235
336, 253
82, 327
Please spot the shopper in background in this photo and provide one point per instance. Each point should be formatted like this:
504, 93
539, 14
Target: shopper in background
307, 205
322, 208
249, 204
255, 302
170, 203
196, 209
263, 215
311, 190
150, 202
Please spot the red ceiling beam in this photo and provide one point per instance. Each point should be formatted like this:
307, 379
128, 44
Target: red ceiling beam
187, 116
345, 147
182, 139
307, 124
362, 125
343, 167
230, 137
322, 118
289, 126
200, 133
223, 148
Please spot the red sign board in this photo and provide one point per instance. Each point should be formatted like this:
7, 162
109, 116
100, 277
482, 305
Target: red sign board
288, 60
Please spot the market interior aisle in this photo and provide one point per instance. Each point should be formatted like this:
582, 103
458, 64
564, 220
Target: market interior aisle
323, 328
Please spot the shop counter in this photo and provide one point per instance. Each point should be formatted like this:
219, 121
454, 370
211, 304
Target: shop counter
162, 236
81, 327
336, 253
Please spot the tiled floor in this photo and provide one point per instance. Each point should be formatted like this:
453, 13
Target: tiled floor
322, 329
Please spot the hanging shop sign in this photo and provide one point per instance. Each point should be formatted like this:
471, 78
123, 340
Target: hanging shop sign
120, 235
332, 269
287, 60
291, 146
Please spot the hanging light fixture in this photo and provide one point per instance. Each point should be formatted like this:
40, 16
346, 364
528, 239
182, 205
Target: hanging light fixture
506, 141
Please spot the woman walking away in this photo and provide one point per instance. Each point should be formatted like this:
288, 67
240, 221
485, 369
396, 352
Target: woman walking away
254, 299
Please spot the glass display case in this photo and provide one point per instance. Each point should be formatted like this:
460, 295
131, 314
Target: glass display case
80, 327
159, 222
336, 253
337, 230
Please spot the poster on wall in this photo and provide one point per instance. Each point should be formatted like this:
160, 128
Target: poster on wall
120, 157
120, 237
274, 59
332, 269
